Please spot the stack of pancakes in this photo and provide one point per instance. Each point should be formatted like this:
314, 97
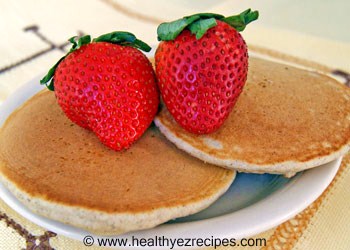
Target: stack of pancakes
286, 120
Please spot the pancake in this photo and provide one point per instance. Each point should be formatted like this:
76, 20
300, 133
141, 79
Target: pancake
286, 120
62, 171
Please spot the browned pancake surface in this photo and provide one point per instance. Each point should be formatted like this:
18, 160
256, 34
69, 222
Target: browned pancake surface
48, 156
283, 114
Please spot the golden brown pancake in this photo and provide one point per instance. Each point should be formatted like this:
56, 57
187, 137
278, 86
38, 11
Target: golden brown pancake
286, 120
62, 171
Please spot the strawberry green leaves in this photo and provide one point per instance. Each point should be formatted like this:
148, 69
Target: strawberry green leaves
117, 37
82, 41
75, 45
200, 26
239, 22
169, 31
123, 38
48, 78
199, 23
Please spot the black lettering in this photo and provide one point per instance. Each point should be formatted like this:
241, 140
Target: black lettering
143, 242
206, 242
180, 242
225, 242
232, 242
150, 242
260, 242
187, 242
200, 242
172, 242
217, 243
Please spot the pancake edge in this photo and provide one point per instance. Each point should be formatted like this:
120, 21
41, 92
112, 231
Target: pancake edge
287, 168
103, 223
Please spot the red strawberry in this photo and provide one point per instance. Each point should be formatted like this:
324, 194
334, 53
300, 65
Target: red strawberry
107, 86
201, 66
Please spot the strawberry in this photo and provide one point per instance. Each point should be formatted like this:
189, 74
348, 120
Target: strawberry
201, 66
107, 86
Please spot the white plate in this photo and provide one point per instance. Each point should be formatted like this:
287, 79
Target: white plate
253, 204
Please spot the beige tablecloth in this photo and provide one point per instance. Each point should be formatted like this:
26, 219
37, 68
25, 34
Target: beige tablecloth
34, 35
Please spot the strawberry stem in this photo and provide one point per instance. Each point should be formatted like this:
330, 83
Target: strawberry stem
117, 37
199, 23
